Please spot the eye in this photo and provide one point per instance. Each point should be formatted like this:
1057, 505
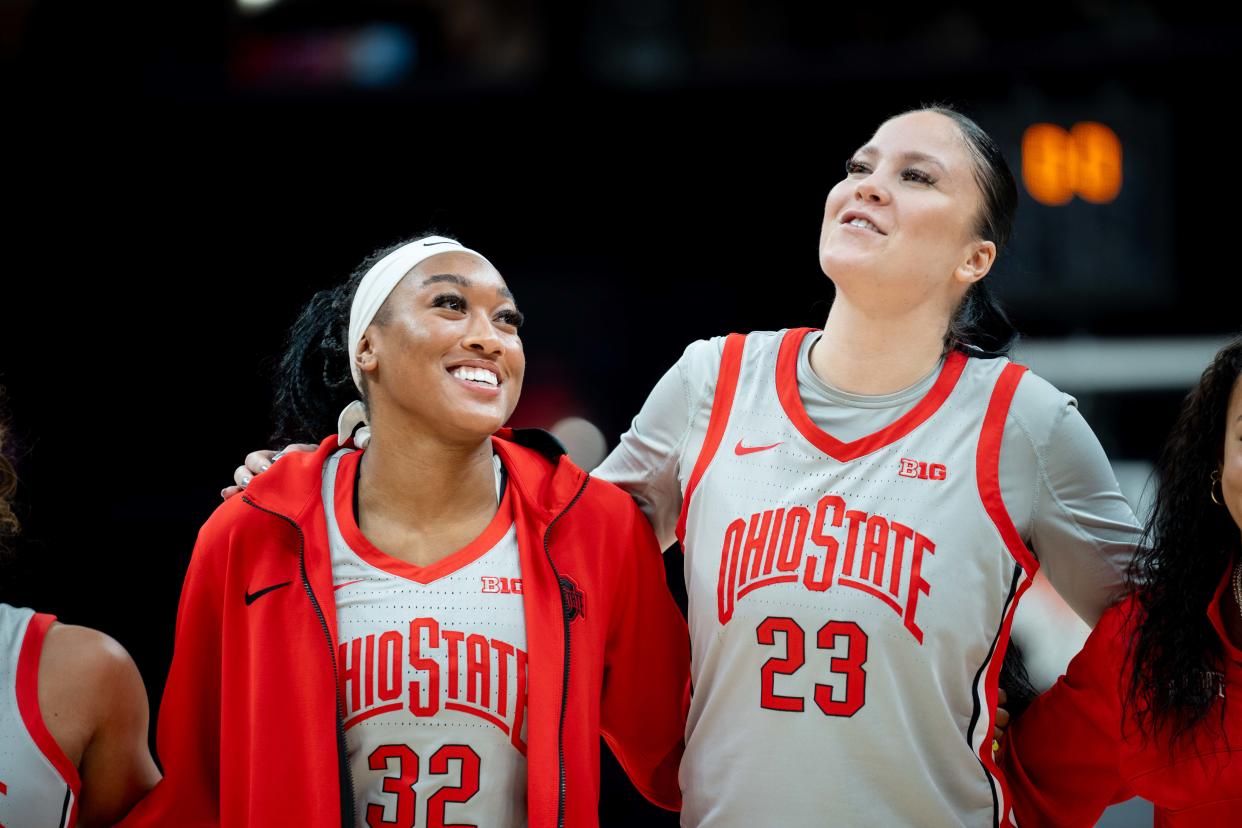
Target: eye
511, 317
917, 175
451, 301
853, 166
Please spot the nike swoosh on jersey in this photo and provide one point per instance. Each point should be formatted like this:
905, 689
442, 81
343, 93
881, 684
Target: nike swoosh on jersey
251, 597
740, 449
335, 587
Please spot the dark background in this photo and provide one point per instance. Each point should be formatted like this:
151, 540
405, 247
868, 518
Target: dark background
181, 177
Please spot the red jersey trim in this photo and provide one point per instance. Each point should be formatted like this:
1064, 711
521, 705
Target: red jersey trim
991, 682
28, 706
363, 548
722, 404
787, 392
987, 465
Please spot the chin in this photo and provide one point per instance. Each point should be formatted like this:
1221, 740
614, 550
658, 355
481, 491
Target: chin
477, 424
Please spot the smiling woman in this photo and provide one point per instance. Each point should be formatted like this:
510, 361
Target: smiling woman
465, 619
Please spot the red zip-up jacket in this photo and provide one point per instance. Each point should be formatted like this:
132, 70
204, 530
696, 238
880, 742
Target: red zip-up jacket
250, 729
1077, 749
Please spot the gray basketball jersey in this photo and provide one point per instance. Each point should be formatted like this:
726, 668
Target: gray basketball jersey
38, 784
845, 672
433, 672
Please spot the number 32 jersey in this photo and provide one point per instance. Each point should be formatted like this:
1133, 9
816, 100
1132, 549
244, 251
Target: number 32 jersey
861, 593
432, 663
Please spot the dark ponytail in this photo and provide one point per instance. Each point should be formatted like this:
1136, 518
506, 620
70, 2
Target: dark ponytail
313, 381
979, 323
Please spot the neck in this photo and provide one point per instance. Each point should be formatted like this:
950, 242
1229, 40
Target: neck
872, 354
412, 478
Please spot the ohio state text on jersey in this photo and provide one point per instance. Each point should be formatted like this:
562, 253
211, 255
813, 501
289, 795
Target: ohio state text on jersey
432, 663
863, 596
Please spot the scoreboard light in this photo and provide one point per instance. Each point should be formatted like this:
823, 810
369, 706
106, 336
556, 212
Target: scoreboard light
1084, 161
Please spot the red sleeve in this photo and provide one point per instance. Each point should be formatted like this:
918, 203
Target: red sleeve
188, 735
647, 671
1061, 759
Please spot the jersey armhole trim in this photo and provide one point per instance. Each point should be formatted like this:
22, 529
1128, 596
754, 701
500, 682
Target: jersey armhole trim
722, 404
28, 703
987, 466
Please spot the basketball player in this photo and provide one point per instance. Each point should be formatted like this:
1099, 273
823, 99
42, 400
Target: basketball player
861, 507
431, 631
73, 716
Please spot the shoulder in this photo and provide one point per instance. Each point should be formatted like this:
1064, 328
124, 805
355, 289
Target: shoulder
708, 351
86, 679
701, 359
288, 489
83, 656
600, 495
1036, 399
611, 512
1039, 408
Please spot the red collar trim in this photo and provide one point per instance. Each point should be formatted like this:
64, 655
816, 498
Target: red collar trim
787, 391
347, 469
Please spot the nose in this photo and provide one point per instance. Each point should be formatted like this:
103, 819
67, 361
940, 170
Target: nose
869, 190
482, 337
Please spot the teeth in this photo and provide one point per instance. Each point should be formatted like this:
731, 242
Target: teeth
482, 375
862, 222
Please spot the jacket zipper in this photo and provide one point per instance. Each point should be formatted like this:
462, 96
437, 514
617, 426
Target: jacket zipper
560, 729
345, 774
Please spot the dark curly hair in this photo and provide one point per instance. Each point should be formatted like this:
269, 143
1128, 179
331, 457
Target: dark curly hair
1176, 657
313, 381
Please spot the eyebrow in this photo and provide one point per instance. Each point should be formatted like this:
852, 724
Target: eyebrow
461, 281
906, 157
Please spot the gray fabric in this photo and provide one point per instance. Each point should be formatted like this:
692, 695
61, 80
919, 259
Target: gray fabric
1055, 478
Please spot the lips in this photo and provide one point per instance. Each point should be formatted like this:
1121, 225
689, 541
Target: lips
483, 376
862, 221
479, 377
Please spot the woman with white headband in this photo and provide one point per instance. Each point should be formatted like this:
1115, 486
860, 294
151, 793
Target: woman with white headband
429, 620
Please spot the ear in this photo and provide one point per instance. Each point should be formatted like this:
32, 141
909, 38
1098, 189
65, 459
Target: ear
365, 357
977, 264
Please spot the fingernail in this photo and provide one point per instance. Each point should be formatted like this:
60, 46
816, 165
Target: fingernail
245, 480
265, 467
222, 492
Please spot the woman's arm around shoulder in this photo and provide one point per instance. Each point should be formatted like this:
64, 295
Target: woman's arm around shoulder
647, 461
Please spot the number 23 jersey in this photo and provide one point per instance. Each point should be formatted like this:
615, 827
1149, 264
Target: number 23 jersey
845, 664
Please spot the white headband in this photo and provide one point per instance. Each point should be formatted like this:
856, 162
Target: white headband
382, 278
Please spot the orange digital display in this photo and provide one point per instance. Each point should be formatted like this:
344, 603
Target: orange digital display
1084, 161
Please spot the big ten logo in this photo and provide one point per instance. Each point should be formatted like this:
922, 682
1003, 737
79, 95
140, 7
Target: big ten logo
1083, 161
503, 586
923, 471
